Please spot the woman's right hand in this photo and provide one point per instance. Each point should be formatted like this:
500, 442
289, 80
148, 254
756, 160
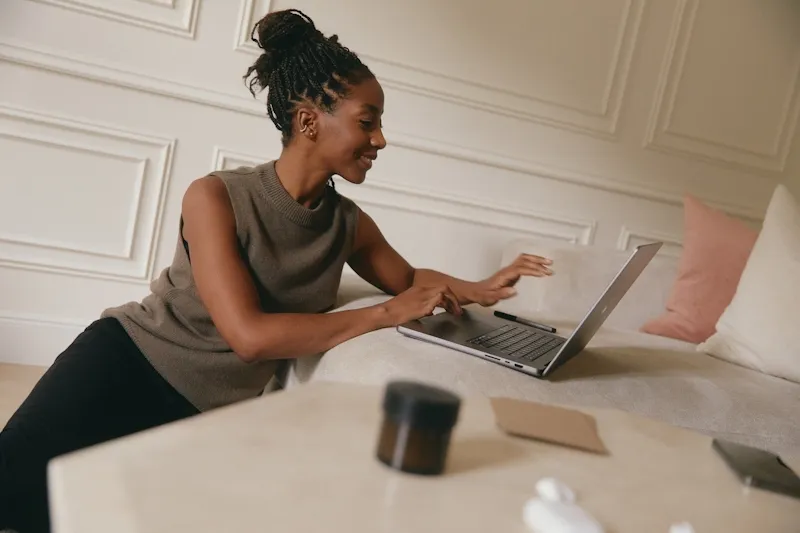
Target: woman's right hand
417, 302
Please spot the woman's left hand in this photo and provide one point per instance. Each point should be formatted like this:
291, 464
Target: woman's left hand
500, 285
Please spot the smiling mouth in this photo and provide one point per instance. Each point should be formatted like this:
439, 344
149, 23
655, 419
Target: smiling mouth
366, 161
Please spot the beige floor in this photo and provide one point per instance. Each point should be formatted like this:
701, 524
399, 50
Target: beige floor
16, 381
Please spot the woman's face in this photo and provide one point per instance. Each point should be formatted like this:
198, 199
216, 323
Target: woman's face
349, 138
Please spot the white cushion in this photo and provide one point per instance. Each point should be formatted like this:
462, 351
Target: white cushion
581, 274
760, 329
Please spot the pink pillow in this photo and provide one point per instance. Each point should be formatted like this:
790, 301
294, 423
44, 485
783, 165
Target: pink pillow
715, 250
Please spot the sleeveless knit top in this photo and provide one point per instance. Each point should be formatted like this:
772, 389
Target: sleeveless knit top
295, 256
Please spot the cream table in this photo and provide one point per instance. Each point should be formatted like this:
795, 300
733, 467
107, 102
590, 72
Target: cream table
304, 460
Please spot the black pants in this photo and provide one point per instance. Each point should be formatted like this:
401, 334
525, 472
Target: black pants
100, 388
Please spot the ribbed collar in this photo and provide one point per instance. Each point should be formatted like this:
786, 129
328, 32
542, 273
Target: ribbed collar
316, 218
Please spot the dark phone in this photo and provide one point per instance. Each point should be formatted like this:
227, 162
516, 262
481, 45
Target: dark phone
759, 468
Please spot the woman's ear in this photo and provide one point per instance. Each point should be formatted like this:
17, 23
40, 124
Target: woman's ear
307, 122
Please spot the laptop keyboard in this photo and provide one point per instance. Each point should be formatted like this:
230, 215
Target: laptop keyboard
518, 342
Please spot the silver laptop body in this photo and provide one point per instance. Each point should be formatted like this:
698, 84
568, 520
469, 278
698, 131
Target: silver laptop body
521, 347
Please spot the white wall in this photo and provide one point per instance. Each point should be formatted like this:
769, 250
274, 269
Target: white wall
570, 120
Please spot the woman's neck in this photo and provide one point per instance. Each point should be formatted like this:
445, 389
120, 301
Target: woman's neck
302, 178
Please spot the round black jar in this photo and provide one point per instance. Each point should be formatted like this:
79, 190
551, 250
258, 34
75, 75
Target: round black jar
417, 423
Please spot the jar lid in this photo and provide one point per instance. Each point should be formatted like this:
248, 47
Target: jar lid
421, 405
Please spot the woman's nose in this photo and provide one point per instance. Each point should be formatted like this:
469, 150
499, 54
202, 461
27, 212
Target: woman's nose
378, 140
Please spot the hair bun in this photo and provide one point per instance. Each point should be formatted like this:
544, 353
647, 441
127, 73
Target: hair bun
280, 34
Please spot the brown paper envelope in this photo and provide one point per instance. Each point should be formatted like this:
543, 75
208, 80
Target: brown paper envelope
548, 423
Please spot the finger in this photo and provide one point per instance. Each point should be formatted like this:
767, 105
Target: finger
505, 292
537, 271
430, 300
536, 259
431, 292
453, 307
501, 294
449, 299
536, 264
493, 297
544, 269
445, 299
506, 277
431, 304
488, 301
490, 298
513, 276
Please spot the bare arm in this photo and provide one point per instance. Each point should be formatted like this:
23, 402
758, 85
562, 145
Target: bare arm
464, 290
230, 296
375, 260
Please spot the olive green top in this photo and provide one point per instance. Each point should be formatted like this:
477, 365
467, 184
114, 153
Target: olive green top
295, 255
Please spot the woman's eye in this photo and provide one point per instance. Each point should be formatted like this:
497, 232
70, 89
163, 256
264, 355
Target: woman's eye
366, 123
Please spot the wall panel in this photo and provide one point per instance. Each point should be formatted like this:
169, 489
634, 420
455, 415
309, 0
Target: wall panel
568, 121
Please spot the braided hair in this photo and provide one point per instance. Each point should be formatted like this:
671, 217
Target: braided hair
299, 64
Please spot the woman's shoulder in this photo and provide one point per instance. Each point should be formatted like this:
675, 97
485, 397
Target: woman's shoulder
240, 176
239, 185
229, 192
208, 188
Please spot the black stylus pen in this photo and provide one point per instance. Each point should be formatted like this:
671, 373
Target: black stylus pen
531, 323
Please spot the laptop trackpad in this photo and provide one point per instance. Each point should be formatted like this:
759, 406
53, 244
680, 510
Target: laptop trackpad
455, 328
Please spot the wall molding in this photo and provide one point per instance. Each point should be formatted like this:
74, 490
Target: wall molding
469, 211
126, 78
449, 207
503, 162
127, 253
93, 71
659, 137
156, 166
41, 320
601, 123
244, 26
673, 245
186, 27
162, 3
60, 123
52, 335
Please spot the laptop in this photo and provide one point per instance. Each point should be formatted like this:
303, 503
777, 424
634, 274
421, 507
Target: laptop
521, 347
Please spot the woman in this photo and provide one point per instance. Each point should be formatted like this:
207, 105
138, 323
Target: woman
258, 261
